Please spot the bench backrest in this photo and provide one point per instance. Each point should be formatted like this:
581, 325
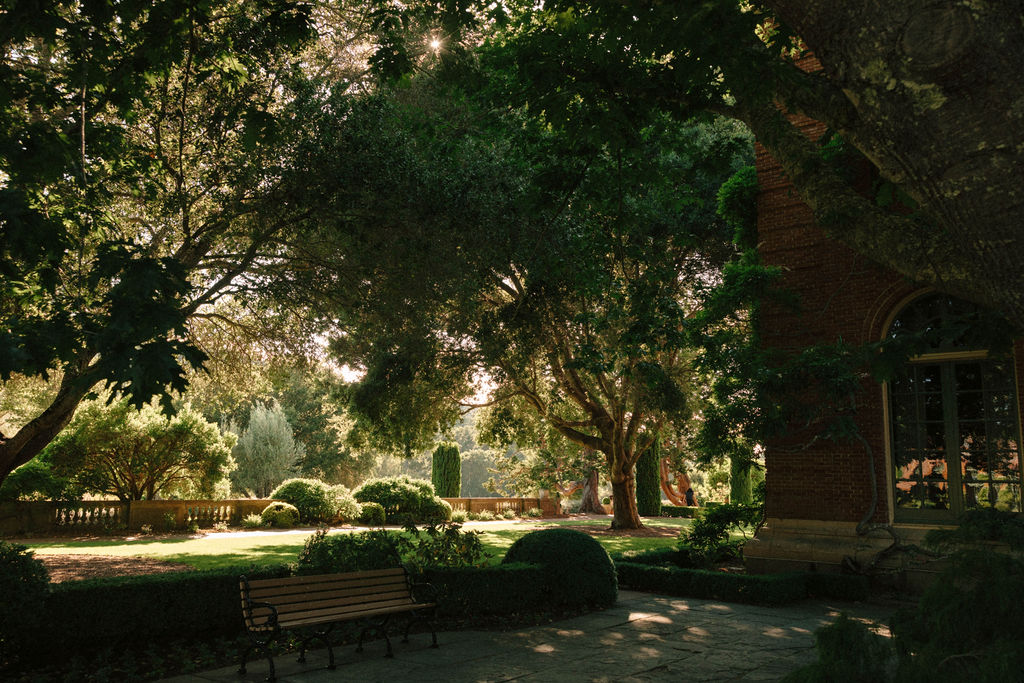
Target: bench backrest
325, 596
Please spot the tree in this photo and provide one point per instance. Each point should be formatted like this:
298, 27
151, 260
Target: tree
446, 470
926, 94
266, 453
574, 299
114, 449
144, 155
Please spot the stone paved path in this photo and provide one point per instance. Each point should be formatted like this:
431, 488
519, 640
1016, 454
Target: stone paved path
644, 637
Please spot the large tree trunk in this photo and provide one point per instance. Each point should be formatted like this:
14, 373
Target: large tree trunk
27, 442
591, 504
931, 93
624, 509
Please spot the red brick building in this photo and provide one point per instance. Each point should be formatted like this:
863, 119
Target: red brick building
942, 440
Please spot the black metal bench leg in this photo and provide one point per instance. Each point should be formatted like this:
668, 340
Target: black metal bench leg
245, 658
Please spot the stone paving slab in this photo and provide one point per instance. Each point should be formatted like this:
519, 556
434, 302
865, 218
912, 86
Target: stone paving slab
643, 637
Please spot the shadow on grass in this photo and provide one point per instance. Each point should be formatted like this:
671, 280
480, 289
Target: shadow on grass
261, 555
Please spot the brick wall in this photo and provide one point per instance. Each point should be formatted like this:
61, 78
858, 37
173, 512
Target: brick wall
843, 296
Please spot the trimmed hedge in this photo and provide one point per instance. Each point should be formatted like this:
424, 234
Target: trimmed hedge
686, 511
502, 589
83, 616
311, 497
578, 568
762, 589
673, 576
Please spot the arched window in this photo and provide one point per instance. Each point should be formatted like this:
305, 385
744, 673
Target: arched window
955, 430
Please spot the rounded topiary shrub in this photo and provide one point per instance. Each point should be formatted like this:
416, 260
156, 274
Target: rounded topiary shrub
434, 510
280, 515
578, 569
311, 497
24, 584
371, 514
401, 497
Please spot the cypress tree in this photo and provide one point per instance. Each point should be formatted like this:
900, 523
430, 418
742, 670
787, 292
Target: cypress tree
648, 481
446, 470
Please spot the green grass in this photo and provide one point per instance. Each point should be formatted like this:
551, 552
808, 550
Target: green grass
219, 550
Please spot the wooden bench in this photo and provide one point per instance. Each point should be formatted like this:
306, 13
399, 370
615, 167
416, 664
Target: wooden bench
321, 601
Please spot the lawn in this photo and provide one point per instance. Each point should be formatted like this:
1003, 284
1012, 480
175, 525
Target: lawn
218, 549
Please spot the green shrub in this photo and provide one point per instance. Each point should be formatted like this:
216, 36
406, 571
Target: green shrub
24, 584
848, 651
502, 589
648, 481
371, 514
84, 616
684, 511
434, 510
509, 514
534, 512
446, 470
459, 516
311, 497
442, 545
656, 556
482, 516
346, 552
280, 515
253, 521
709, 535
401, 497
761, 589
579, 568
346, 509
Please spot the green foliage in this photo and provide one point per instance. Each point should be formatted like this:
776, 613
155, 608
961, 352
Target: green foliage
709, 539
848, 651
114, 449
459, 516
442, 545
86, 616
266, 452
534, 512
280, 515
253, 521
740, 481
446, 470
401, 497
579, 568
24, 583
679, 511
346, 552
371, 514
980, 525
434, 510
344, 506
483, 516
35, 480
764, 589
965, 626
312, 498
648, 481
503, 589
737, 206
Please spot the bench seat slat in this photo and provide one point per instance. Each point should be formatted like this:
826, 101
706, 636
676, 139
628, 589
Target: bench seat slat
363, 614
325, 578
283, 592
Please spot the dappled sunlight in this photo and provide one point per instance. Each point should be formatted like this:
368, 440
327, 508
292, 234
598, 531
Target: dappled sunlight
698, 631
544, 648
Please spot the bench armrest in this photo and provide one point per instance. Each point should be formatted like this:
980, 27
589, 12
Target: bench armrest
423, 592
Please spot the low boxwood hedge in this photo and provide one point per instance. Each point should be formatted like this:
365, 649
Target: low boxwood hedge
764, 589
502, 589
81, 616
669, 574
679, 511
